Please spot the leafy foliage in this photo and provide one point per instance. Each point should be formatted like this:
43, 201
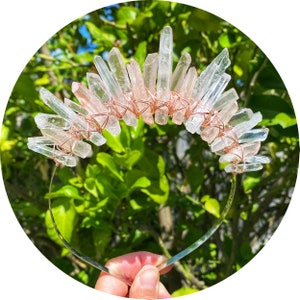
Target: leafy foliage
150, 188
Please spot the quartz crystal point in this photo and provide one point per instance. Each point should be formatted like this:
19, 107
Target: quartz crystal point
258, 159
68, 143
188, 84
218, 121
164, 75
229, 138
228, 96
180, 72
78, 125
240, 153
51, 121
97, 110
46, 147
97, 87
76, 107
243, 167
117, 97
118, 69
211, 74
254, 135
57, 105
242, 115
139, 92
150, 72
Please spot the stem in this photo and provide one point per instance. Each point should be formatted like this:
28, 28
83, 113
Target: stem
210, 232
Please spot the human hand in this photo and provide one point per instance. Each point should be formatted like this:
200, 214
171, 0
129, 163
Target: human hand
135, 275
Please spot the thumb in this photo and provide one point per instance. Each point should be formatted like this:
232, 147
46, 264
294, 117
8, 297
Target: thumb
146, 284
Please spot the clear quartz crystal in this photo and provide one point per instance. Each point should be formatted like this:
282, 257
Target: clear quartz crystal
118, 69
120, 105
141, 97
194, 122
70, 144
51, 121
188, 83
40, 140
211, 74
76, 107
222, 61
46, 147
150, 72
243, 167
216, 90
107, 78
57, 105
180, 71
243, 127
227, 140
218, 122
242, 115
228, 96
88, 100
98, 112
240, 153
77, 123
254, 135
97, 87
258, 159
164, 75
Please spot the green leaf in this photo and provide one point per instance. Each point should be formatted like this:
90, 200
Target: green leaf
129, 159
184, 291
134, 205
65, 218
67, 191
158, 191
141, 52
126, 15
250, 182
238, 70
113, 142
107, 161
90, 186
136, 179
226, 40
100, 34
211, 205
284, 120
93, 170
44, 80
270, 105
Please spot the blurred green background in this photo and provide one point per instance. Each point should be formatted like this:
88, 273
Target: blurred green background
150, 188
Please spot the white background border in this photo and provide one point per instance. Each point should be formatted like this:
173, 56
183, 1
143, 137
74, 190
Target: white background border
273, 25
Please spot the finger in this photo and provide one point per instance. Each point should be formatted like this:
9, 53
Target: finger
127, 266
163, 293
111, 285
146, 284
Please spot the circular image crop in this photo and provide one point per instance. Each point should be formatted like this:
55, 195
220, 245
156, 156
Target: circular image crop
150, 126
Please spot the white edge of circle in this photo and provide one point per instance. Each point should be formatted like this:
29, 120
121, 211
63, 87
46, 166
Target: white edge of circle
25, 272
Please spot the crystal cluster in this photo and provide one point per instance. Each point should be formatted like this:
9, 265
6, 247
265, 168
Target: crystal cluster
124, 92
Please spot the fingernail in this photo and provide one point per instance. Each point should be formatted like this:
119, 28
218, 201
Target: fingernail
149, 278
